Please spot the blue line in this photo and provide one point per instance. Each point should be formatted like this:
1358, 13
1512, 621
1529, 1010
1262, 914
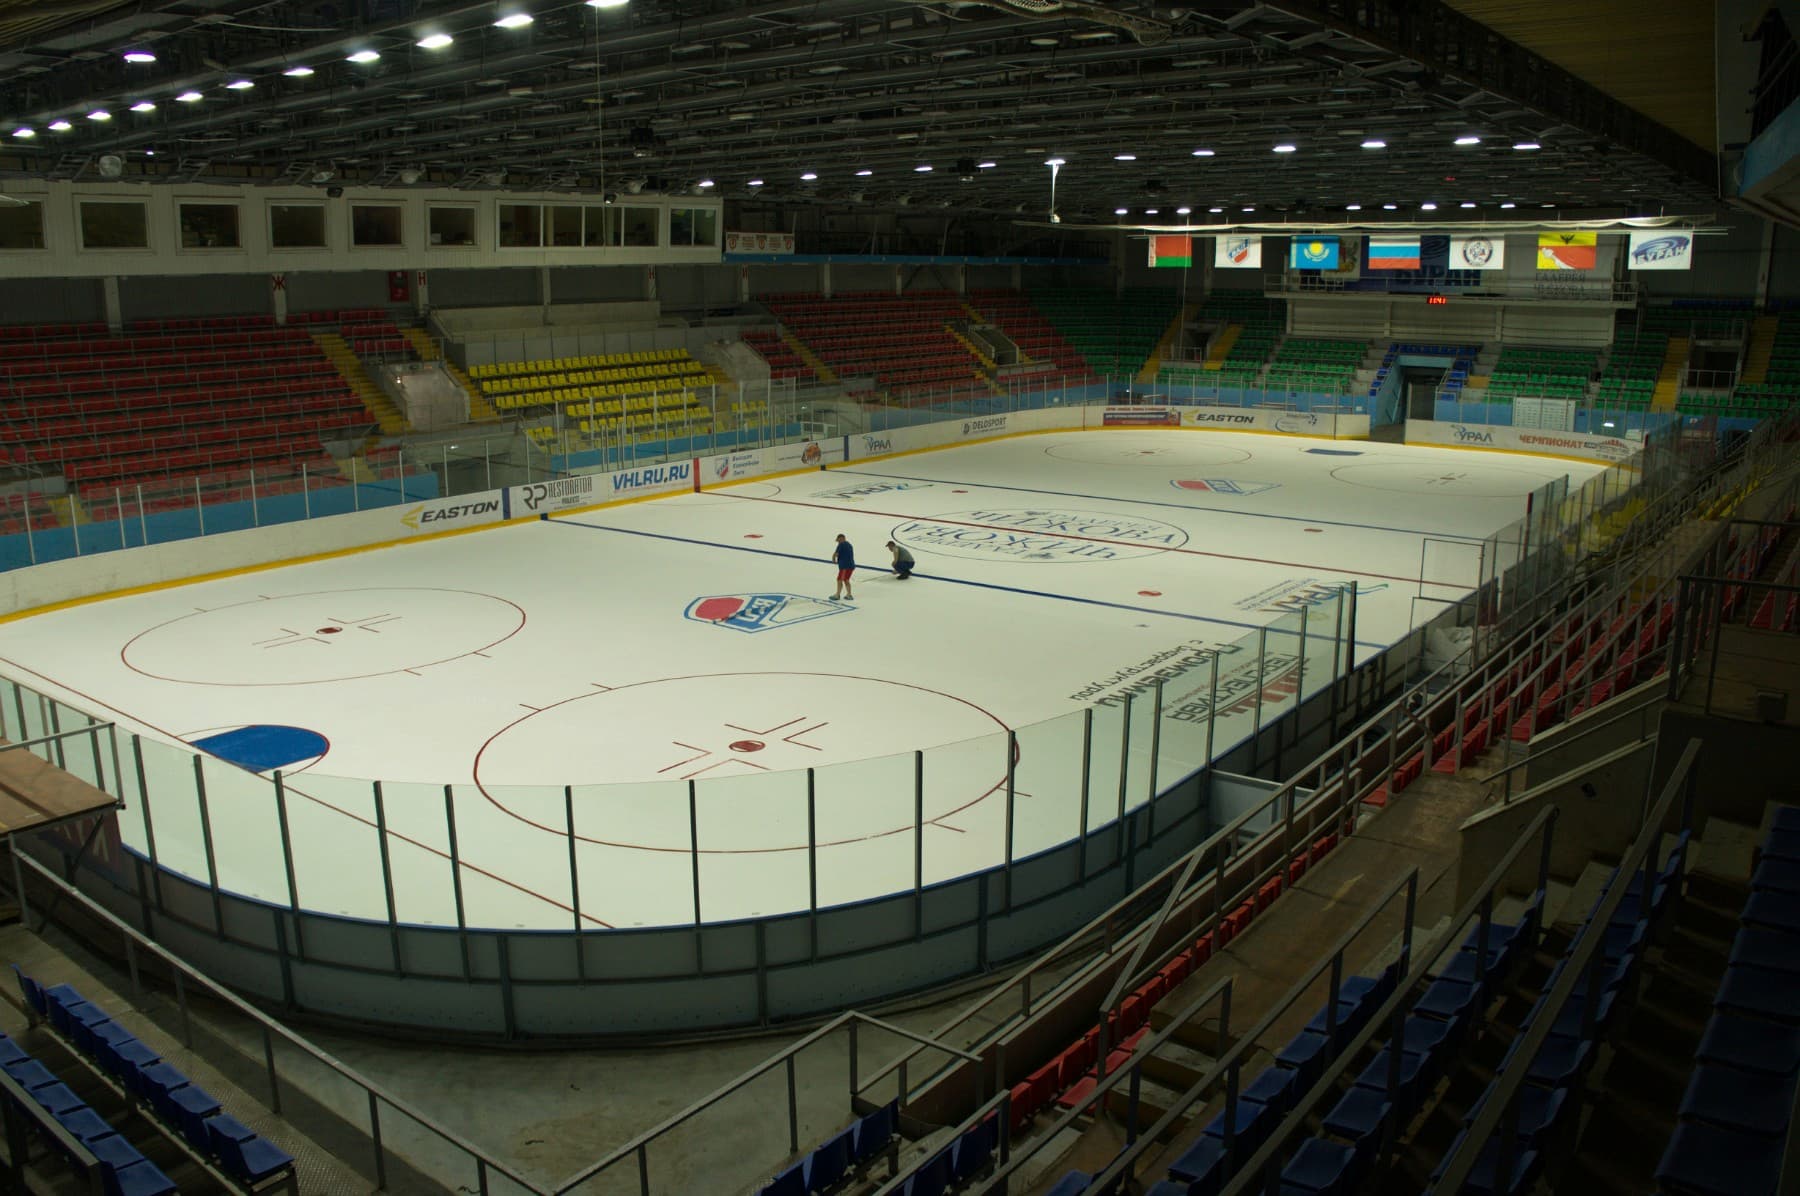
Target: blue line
957, 581
1149, 502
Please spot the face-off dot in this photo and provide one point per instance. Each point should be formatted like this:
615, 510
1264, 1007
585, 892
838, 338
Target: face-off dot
748, 745
328, 630
1150, 593
752, 535
1315, 529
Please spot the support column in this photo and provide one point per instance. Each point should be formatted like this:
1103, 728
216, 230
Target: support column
649, 282
962, 281
109, 295
743, 284
544, 298
1765, 256
278, 296
421, 293
1018, 277
899, 282
825, 279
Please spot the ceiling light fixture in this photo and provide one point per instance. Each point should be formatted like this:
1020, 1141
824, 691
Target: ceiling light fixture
864, 173
1509, 204
704, 183
1284, 148
1467, 204
607, 3
1427, 206
1120, 211
60, 126
139, 56
143, 106
1390, 207
1124, 157
188, 97
1150, 212
513, 20
1374, 143
752, 182
99, 114
1203, 153
1468, 139
1215, 211
923, 168
1526, 145
1352, 207
239, 85
985, 165
24, 132
1249, 209
434, 41
298, 72
365, 56
808, 176
1184, 211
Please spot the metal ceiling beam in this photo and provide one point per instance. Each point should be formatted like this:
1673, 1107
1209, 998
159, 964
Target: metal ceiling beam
1434, 34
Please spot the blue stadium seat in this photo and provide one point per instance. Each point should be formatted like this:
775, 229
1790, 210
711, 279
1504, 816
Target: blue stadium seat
933, 1179
1072, 1184
1755, 1102
1782, 844
829, 1162
57, 1098
121, 1058
1765, 949
1202, 1166
1359, 1116
1321, 1167
1538, 1111
1711, 1161
1785, 818
33, 993
1776, 911
1448, 1000
1167, 1187
1483, 1177
29, 1074
139, 1179
1403, 1089
157, 1078
11, 1052
1776, 875
1750, 1044
247, 1156
1305, 1055
870, 1136
1273, 1087
791, 1182
84, 1125
1759, 992
969, 1155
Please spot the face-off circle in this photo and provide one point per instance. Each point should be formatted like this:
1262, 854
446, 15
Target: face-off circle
1455, 479
1167, 452
745, 741
332, 635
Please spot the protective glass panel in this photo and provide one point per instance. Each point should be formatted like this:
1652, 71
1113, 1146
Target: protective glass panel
246, 834
752, 838
337, 856
864, 822
1047, 783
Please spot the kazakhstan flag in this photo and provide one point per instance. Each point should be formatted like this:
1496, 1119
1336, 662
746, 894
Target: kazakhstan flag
1313, 253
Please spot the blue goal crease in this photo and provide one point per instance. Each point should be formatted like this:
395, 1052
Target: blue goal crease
958, 581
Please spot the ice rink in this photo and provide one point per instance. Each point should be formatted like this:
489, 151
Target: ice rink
642, 653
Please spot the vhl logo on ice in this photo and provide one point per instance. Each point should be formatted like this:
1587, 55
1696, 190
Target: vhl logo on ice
761, 612
1224, 485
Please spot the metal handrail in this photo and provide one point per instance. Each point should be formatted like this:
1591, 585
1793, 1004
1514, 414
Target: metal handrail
1388, 1018
638, 1145
271, 1029
1578, 964
1332, 962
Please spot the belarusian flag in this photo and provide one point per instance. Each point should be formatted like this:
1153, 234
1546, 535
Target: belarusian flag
1172, 251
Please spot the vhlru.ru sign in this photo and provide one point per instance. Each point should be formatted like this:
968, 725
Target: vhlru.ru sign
652, 477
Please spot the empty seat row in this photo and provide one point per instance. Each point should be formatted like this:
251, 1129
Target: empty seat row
125, 1169
184, 1107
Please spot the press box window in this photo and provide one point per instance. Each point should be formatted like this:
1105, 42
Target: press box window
114, 225
22, 227
296, 226
451, 226
521, 226
693, 226
210, 226
640, 226
375, 225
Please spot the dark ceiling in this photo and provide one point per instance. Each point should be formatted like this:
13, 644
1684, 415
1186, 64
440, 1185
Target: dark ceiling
667, 94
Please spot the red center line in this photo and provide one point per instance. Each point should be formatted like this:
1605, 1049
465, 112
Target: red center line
1223, 556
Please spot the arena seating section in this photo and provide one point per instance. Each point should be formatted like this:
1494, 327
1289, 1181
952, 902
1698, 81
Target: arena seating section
1114, 334
1013, 313
1734, 1113
1258, 324
1633, 362
648, 393
1462, 361
126, 1074
1543, 373
173, 398
898, 343
784, 363
1325, 366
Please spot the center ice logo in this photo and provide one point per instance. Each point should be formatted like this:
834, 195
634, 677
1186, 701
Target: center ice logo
1039, 536
760, 612
1224, 485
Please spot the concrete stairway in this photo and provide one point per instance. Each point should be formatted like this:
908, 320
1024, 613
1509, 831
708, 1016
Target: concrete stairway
381, 409
1147, 372
1762, 346
480, 410
808, 356
1668, 382
1221, 348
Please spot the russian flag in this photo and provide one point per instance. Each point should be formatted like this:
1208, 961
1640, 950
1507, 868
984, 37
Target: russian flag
1393, 253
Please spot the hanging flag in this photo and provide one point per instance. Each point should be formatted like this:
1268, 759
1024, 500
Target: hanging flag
1393, 253
1477, 253
1172, 251
1236, 251
1313, 253
1669, 250
1567, 251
